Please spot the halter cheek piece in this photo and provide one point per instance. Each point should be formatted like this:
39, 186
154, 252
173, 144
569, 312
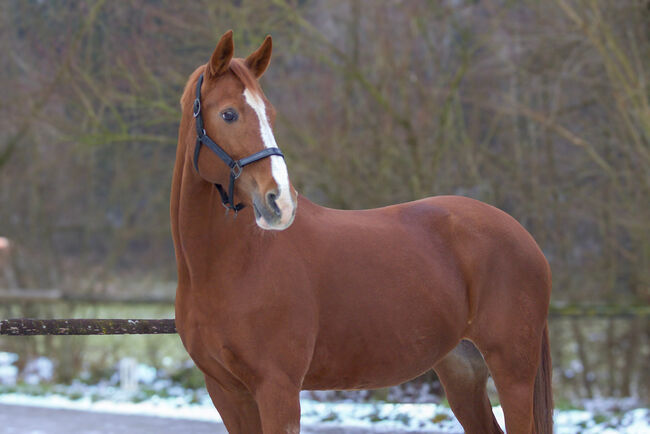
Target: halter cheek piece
236, 166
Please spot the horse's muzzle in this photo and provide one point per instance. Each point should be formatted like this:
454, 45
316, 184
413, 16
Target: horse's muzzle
274, 211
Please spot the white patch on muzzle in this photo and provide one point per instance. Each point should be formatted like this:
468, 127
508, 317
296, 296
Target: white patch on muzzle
278, 166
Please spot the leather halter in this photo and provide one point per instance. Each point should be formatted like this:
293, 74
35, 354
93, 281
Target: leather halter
236, 166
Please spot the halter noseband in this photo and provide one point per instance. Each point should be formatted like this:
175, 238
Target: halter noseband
236, 166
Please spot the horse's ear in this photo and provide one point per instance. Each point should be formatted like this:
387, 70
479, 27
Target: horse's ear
220, 60
259, 60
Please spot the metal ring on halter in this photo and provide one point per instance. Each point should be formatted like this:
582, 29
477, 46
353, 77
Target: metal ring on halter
236, 170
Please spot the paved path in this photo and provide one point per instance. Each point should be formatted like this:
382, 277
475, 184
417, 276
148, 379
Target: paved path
17, 419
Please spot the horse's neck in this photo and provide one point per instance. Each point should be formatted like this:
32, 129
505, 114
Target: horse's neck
201, 229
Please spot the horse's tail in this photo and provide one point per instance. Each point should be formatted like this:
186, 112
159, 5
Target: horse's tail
543, 394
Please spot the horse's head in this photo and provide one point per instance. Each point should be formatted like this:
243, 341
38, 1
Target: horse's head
237, 117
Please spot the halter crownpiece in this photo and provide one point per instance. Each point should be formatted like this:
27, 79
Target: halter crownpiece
236, 166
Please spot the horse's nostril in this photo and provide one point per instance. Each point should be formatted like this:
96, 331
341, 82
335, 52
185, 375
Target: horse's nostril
271, 198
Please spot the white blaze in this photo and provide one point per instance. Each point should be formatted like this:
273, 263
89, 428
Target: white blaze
278, 166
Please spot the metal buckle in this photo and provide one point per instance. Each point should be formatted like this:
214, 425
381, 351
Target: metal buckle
229, 207
236, 170
197, 107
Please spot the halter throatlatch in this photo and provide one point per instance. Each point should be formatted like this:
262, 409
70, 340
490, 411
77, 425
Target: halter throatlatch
236, 166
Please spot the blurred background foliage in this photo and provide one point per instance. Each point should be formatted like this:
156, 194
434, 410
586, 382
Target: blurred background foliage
540, 108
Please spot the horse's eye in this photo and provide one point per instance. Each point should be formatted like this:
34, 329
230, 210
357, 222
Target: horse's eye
229, 115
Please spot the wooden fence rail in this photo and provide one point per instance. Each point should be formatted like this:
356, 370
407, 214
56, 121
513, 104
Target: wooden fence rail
33, 327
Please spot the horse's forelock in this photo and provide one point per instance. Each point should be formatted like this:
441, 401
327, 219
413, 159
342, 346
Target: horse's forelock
241, 71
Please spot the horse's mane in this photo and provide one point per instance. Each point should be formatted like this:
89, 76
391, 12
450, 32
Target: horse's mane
237, 67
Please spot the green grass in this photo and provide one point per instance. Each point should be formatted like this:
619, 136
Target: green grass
440, 417
565, 404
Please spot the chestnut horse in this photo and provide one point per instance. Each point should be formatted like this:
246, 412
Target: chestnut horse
309, 297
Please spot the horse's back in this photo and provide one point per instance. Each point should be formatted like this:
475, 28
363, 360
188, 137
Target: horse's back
484, 233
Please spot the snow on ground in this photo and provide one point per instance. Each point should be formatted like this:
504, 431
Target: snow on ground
381, 417
138, 389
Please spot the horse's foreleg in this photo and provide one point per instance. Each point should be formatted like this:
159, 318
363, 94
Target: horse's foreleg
464, 374
278, 401
237, 408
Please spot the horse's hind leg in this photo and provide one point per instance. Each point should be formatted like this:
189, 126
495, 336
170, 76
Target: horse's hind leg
464, 374
514, 365
237, 408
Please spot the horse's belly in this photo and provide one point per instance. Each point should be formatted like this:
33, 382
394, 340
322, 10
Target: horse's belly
365, 373
380, 345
